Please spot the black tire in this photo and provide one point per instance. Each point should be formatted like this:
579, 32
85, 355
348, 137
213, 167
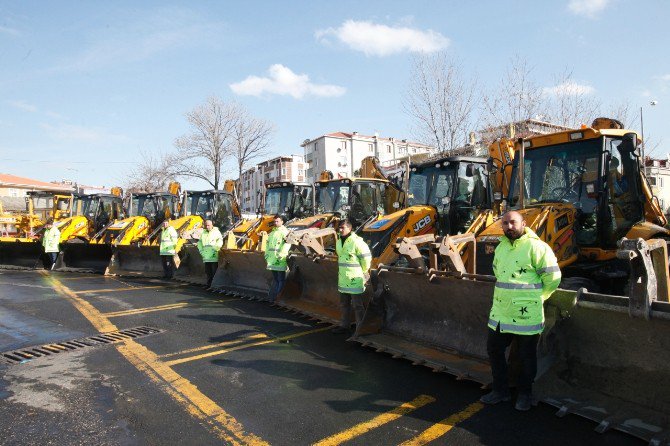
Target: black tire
575, 283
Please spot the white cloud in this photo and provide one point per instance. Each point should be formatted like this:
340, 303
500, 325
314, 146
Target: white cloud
77, 133
589, 8
23, 105
282, 81
664, 78
381, 40
567, 89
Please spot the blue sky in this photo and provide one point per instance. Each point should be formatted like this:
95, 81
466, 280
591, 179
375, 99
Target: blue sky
86, 86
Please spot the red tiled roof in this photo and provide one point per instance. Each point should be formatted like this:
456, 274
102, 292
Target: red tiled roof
8, 180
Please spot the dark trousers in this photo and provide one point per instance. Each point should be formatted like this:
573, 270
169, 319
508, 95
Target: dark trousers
210, 270
168, 266
51, 259
496, 346
346, 302
278, 281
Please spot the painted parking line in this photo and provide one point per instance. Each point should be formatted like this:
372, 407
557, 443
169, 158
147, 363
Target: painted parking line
376, 422
243, 346
130, 288
219, 344
146, 309
439, 429
182, 391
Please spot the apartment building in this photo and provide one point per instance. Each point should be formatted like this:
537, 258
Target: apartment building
282, 168
658, 174
342, 152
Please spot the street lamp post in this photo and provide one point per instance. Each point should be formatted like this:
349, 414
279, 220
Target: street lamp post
652, 103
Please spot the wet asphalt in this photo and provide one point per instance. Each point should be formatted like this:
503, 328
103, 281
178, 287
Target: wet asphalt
225, 370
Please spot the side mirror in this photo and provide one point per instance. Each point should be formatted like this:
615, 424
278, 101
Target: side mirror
469, 170
629, 144
396, 205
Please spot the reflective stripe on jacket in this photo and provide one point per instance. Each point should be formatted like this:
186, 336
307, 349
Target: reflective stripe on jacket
527, 273
353, 261
51, 239
169, 238
209, 244
276, 249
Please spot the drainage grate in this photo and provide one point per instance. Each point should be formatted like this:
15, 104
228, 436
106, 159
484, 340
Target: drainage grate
27, 354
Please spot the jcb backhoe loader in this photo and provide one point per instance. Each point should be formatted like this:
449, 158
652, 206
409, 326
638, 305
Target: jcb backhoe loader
23, 249
445, 196
243, 272
94, 212
602, 356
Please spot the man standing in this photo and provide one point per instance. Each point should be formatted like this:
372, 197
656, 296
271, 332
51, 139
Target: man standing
353, 261
276, 253
50, 242
168, 249
209, 245
527, 273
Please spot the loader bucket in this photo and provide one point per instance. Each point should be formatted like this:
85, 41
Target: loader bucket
78, 256
21, 255
133, 260
191, 268
242, 273
439, 323
318, 297
614, 368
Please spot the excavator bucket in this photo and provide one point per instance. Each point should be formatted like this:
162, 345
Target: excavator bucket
132, 260
191, 268
242, 273
317, 282
78, 256
21, 254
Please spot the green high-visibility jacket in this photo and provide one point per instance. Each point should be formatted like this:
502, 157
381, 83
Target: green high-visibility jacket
353, 261
169, 238
51, 239
209, 244
276, 249
527, 273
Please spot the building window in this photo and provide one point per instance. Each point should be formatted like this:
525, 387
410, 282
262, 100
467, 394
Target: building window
388, 148
652, 181
660, 181
371, 148
344, 145
301, 172
283, 171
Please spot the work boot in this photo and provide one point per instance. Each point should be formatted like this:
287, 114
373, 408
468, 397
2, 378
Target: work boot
495, 397
523, 402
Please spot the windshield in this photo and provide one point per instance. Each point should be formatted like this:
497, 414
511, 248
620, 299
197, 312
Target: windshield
42, 202
215, 207
89, 206
559, 173
138, 204
429, 185
277, 199
331, 196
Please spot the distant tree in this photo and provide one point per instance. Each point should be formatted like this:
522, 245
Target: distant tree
570, 104
252, 137
152, 173
440, 99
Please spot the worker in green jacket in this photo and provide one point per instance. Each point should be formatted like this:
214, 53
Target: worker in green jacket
209, 245
276, 253
353, 261
50, 242
527, 273
168, 249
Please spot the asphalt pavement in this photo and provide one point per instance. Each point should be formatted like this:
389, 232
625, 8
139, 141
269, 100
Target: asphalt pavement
224, 370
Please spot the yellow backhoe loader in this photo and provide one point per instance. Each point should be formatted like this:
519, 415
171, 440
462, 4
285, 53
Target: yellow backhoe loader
94, 212
603, 353
23, 248
446, 195
243, 273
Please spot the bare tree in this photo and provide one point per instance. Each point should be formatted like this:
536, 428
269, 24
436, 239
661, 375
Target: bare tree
203, 152
441, 101
571, 104
152, 174
252, 137
516, 98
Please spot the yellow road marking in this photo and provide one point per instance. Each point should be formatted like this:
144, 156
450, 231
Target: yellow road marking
377, 421
83, 277
197, 404
210, 346
130, 288
146, 310
437, 430
243, 346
